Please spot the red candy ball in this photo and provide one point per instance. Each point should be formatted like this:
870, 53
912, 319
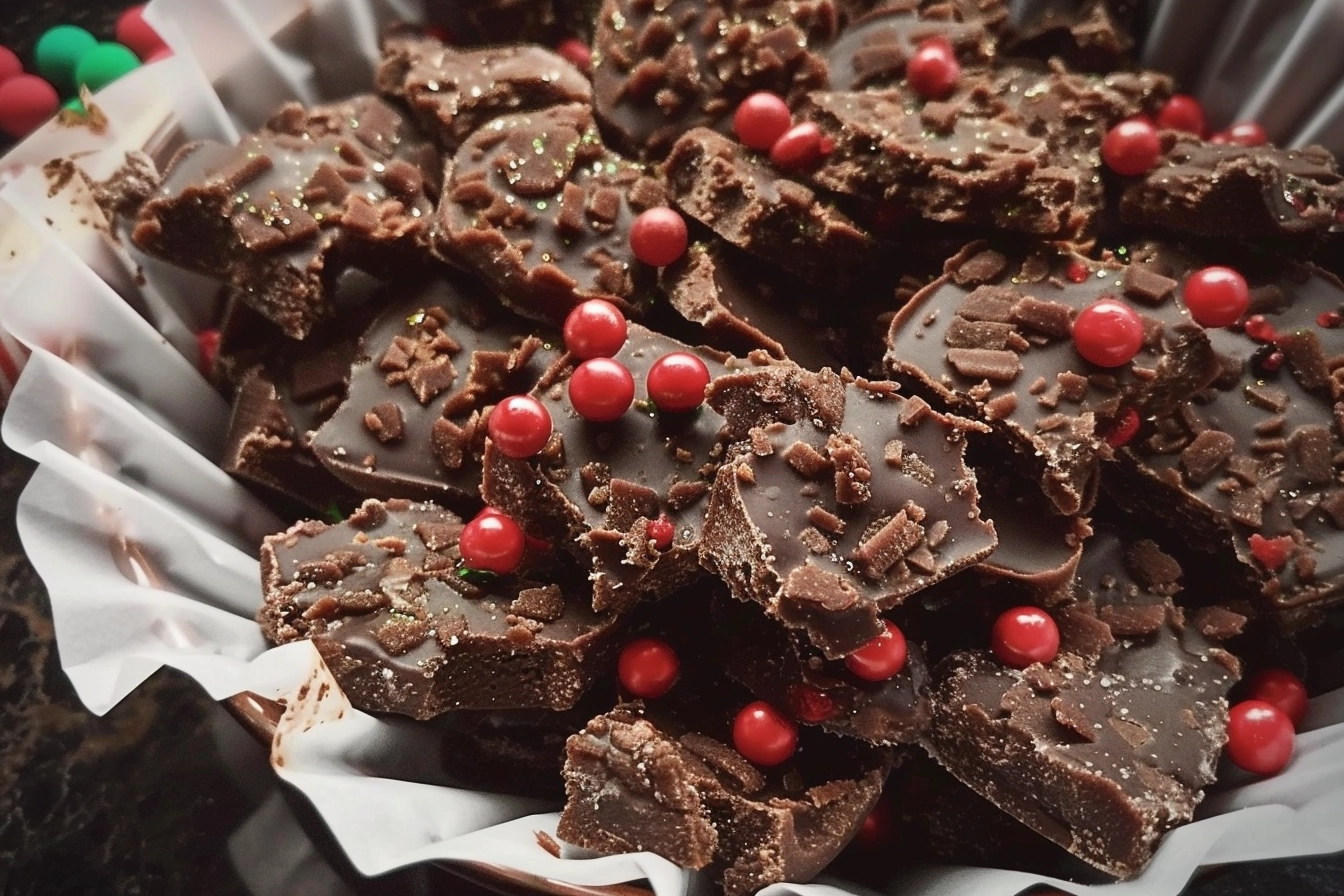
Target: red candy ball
10, 65
1025, 635
880, 658
677, 381
813, 705
601, 390
1108, 333
492, 542
1283, 689
136, 34
648, 668
576, 53
1246, 133
1216, 296
658, 236
207, 352
1182, 113
762, 735
1260, 737
520, 426
661, 532
1131, 147
26, 101
761, 119
933, 70
595, 329
802, 146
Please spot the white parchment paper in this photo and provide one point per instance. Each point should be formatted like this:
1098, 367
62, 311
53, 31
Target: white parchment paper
148, 550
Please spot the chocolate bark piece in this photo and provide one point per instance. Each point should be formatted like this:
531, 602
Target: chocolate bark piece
596, 486
1236, 192
452, 92
992, 339
831, 512
1247, 473
1110, 745
875, 47
745, 306
638, 779
284, 213
781, 668
742, 199
384, 599
660, 69
428, 370
538, 208
1093, 36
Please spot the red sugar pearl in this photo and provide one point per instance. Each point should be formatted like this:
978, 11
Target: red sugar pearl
1246, 133
813, 705
658, 236
648, 668
1329, 319
881, 658
875, 831
1259, 328
26, 101
1272, 553
207, 352
595, 329
520, 426
933, 70
676, 382
601, 390
1260, 737
576, 53
1216, 296
1025, 635
10, 65
1125, 427
1108, 333
441, 33
1182, 113
762, 735
1131, 147
761, 119
134, 32
1076, 272
492, 542
661, 532
802, 146
1283, 689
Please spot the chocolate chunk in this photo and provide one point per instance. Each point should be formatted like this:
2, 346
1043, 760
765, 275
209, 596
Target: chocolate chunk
380, 597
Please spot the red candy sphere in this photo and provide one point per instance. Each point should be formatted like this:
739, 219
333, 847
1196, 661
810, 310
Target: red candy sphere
492, 542
576, 53
1108, 333
1260, 737
10, 65
1025, 635
1131, 147
761, 119
658, 236
762, 735
648, 668
813, 705
1182, 113
601, 390
26, 101
661, 532
880, 658
1246, 133
207, 351
677, 381
136, 34
933, 70
520, 426
1216, 296
595, 329
1283, 689
802, 146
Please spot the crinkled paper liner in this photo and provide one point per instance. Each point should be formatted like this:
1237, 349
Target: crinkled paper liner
148, 549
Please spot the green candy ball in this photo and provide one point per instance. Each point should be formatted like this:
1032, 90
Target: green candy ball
58, 53
104, 64
74, 104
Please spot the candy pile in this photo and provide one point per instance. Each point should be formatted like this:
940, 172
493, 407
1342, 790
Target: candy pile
66, 59
778, 400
